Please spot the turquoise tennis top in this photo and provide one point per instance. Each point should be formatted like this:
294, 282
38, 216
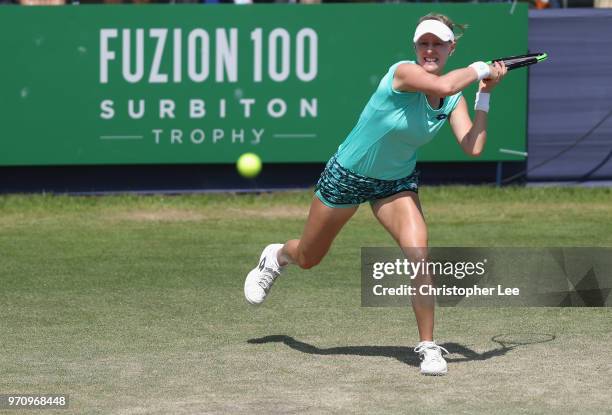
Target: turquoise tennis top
391, 128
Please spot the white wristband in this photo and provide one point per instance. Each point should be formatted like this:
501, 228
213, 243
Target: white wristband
482, 101
482, 69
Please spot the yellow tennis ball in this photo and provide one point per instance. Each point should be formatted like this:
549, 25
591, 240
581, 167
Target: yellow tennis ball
249, 165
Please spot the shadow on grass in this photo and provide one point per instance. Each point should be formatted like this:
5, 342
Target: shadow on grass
401, 353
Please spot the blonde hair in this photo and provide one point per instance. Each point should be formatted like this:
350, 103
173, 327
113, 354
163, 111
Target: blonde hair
447, 21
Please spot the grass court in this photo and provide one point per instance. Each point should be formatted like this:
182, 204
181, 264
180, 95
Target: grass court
134, 305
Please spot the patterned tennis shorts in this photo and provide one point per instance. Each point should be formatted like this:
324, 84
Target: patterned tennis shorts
341, 187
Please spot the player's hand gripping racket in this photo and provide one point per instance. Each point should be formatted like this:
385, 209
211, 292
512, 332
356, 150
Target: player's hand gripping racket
519, 61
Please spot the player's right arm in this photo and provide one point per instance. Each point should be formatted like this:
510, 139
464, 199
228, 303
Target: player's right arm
411, 77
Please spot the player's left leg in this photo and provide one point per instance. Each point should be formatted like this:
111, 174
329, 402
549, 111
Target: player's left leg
402, 217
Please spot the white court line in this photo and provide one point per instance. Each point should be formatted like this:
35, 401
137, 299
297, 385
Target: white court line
120, 137
294, 135
513, 152
513, 7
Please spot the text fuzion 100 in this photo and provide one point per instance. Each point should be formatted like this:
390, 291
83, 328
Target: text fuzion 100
202, 57
173, 56
287, 55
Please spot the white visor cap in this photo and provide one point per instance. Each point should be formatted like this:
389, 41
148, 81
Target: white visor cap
434, 27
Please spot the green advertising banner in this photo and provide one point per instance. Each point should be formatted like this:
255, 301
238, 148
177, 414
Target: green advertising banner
203, 84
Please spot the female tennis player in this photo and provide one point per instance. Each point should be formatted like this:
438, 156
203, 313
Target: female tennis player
376, 164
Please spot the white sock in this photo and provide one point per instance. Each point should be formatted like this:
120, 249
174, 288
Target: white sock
282, 258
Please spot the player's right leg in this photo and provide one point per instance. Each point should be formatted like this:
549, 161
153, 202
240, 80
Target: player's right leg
323, 224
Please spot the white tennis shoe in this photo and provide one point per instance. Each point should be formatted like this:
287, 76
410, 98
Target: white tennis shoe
259, 281
432, 362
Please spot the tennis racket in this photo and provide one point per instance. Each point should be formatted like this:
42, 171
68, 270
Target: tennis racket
519, 61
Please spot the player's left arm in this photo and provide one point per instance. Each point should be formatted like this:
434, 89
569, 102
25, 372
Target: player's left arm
472, 136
